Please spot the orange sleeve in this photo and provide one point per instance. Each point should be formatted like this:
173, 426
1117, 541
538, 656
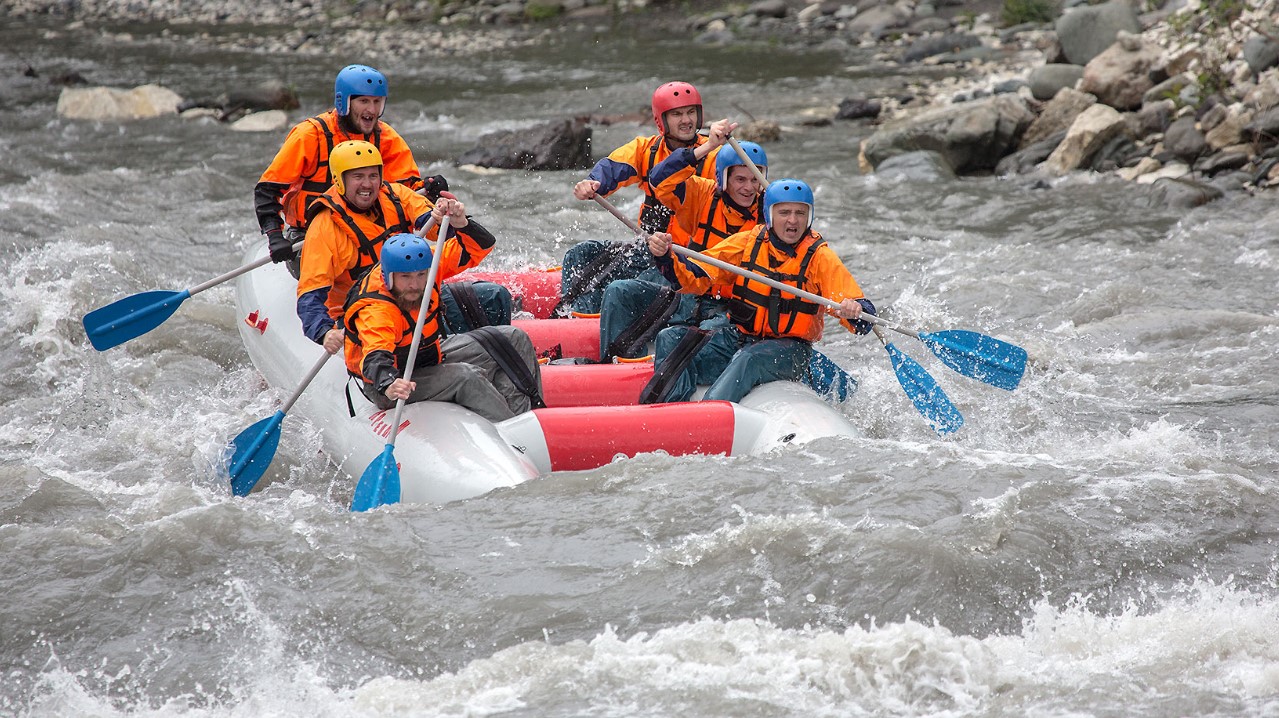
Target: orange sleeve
697, 278
833, 280
326, 253
296, 157
379, 326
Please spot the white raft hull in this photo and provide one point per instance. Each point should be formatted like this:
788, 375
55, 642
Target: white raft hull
447, 453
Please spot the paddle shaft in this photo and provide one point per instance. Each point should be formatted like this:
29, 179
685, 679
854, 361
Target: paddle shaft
236, 272
306, 381
421, 321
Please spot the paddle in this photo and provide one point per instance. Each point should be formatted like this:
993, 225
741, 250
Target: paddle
254, 448
919, 386
138, 314
380, 482
974, 355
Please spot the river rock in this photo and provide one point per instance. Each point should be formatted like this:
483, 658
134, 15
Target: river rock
268, 121
1184, 140
557, 145
973, 136
855, 108
1230, 130
1264, 128
1182, 193
1046, 80
1031, 156
1261, 53
1057, 115
1090, 131
877, 20
269, 95
1221, 162
108, 103
1086, 32
930, 46
922, 166
1120, 76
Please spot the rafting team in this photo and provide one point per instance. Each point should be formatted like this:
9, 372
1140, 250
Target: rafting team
347, 183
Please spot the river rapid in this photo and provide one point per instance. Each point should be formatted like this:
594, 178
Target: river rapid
1100, 542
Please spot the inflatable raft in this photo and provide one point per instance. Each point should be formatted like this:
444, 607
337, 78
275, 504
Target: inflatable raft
446, 452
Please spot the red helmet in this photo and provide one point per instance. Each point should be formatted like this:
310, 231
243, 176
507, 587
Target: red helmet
673, 95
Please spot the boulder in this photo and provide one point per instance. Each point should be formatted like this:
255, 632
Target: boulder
855, 108
267, 121
1026, 159
1182, 193
1057, 115
1120, 76
972, 136
106, 103
269, 95
922, 166
1184, 140
1086, 32
556, 145
937, 45
1261, 53
1090, 131
1046, 80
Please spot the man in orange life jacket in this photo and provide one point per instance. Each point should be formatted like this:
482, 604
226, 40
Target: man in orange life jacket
707, 211
300, 172
588, 266
346, 228
380, 315
770, 335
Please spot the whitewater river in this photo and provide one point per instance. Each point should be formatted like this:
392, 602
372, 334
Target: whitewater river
1100, 542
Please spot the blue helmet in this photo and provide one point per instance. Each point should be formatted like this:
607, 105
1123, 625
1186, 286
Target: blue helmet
788, 190
406, 253
356, 80
727, 157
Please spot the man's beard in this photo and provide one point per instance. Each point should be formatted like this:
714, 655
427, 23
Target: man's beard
347, 124
406, 303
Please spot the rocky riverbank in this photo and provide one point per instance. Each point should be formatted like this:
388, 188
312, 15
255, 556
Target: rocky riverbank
1148, 89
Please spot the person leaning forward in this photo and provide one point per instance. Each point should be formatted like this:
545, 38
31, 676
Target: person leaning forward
300, 171
771, 333
588, 266
380, 315
708, 211
347, 226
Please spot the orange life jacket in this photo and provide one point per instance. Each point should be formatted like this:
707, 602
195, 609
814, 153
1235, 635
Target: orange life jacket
366, 232
370, 298
761, 310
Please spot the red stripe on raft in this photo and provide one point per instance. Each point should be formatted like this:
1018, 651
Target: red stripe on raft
589, 437
594, 384
537, 291
575, 337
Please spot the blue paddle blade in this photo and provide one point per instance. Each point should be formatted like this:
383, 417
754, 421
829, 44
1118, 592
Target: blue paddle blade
254, 448
379, 484
829, 379
133, 316
924, 393
979, 356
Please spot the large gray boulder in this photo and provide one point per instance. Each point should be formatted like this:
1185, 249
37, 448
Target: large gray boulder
557, 145
972, 136
1120, 76
1085, 32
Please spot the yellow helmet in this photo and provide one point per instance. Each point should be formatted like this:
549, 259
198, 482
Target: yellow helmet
352, 155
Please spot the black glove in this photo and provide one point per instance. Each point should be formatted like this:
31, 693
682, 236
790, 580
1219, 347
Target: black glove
280, 247
432, 187
861, 326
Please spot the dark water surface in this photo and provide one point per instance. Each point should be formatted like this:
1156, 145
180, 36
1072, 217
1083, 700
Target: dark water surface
1099, 542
